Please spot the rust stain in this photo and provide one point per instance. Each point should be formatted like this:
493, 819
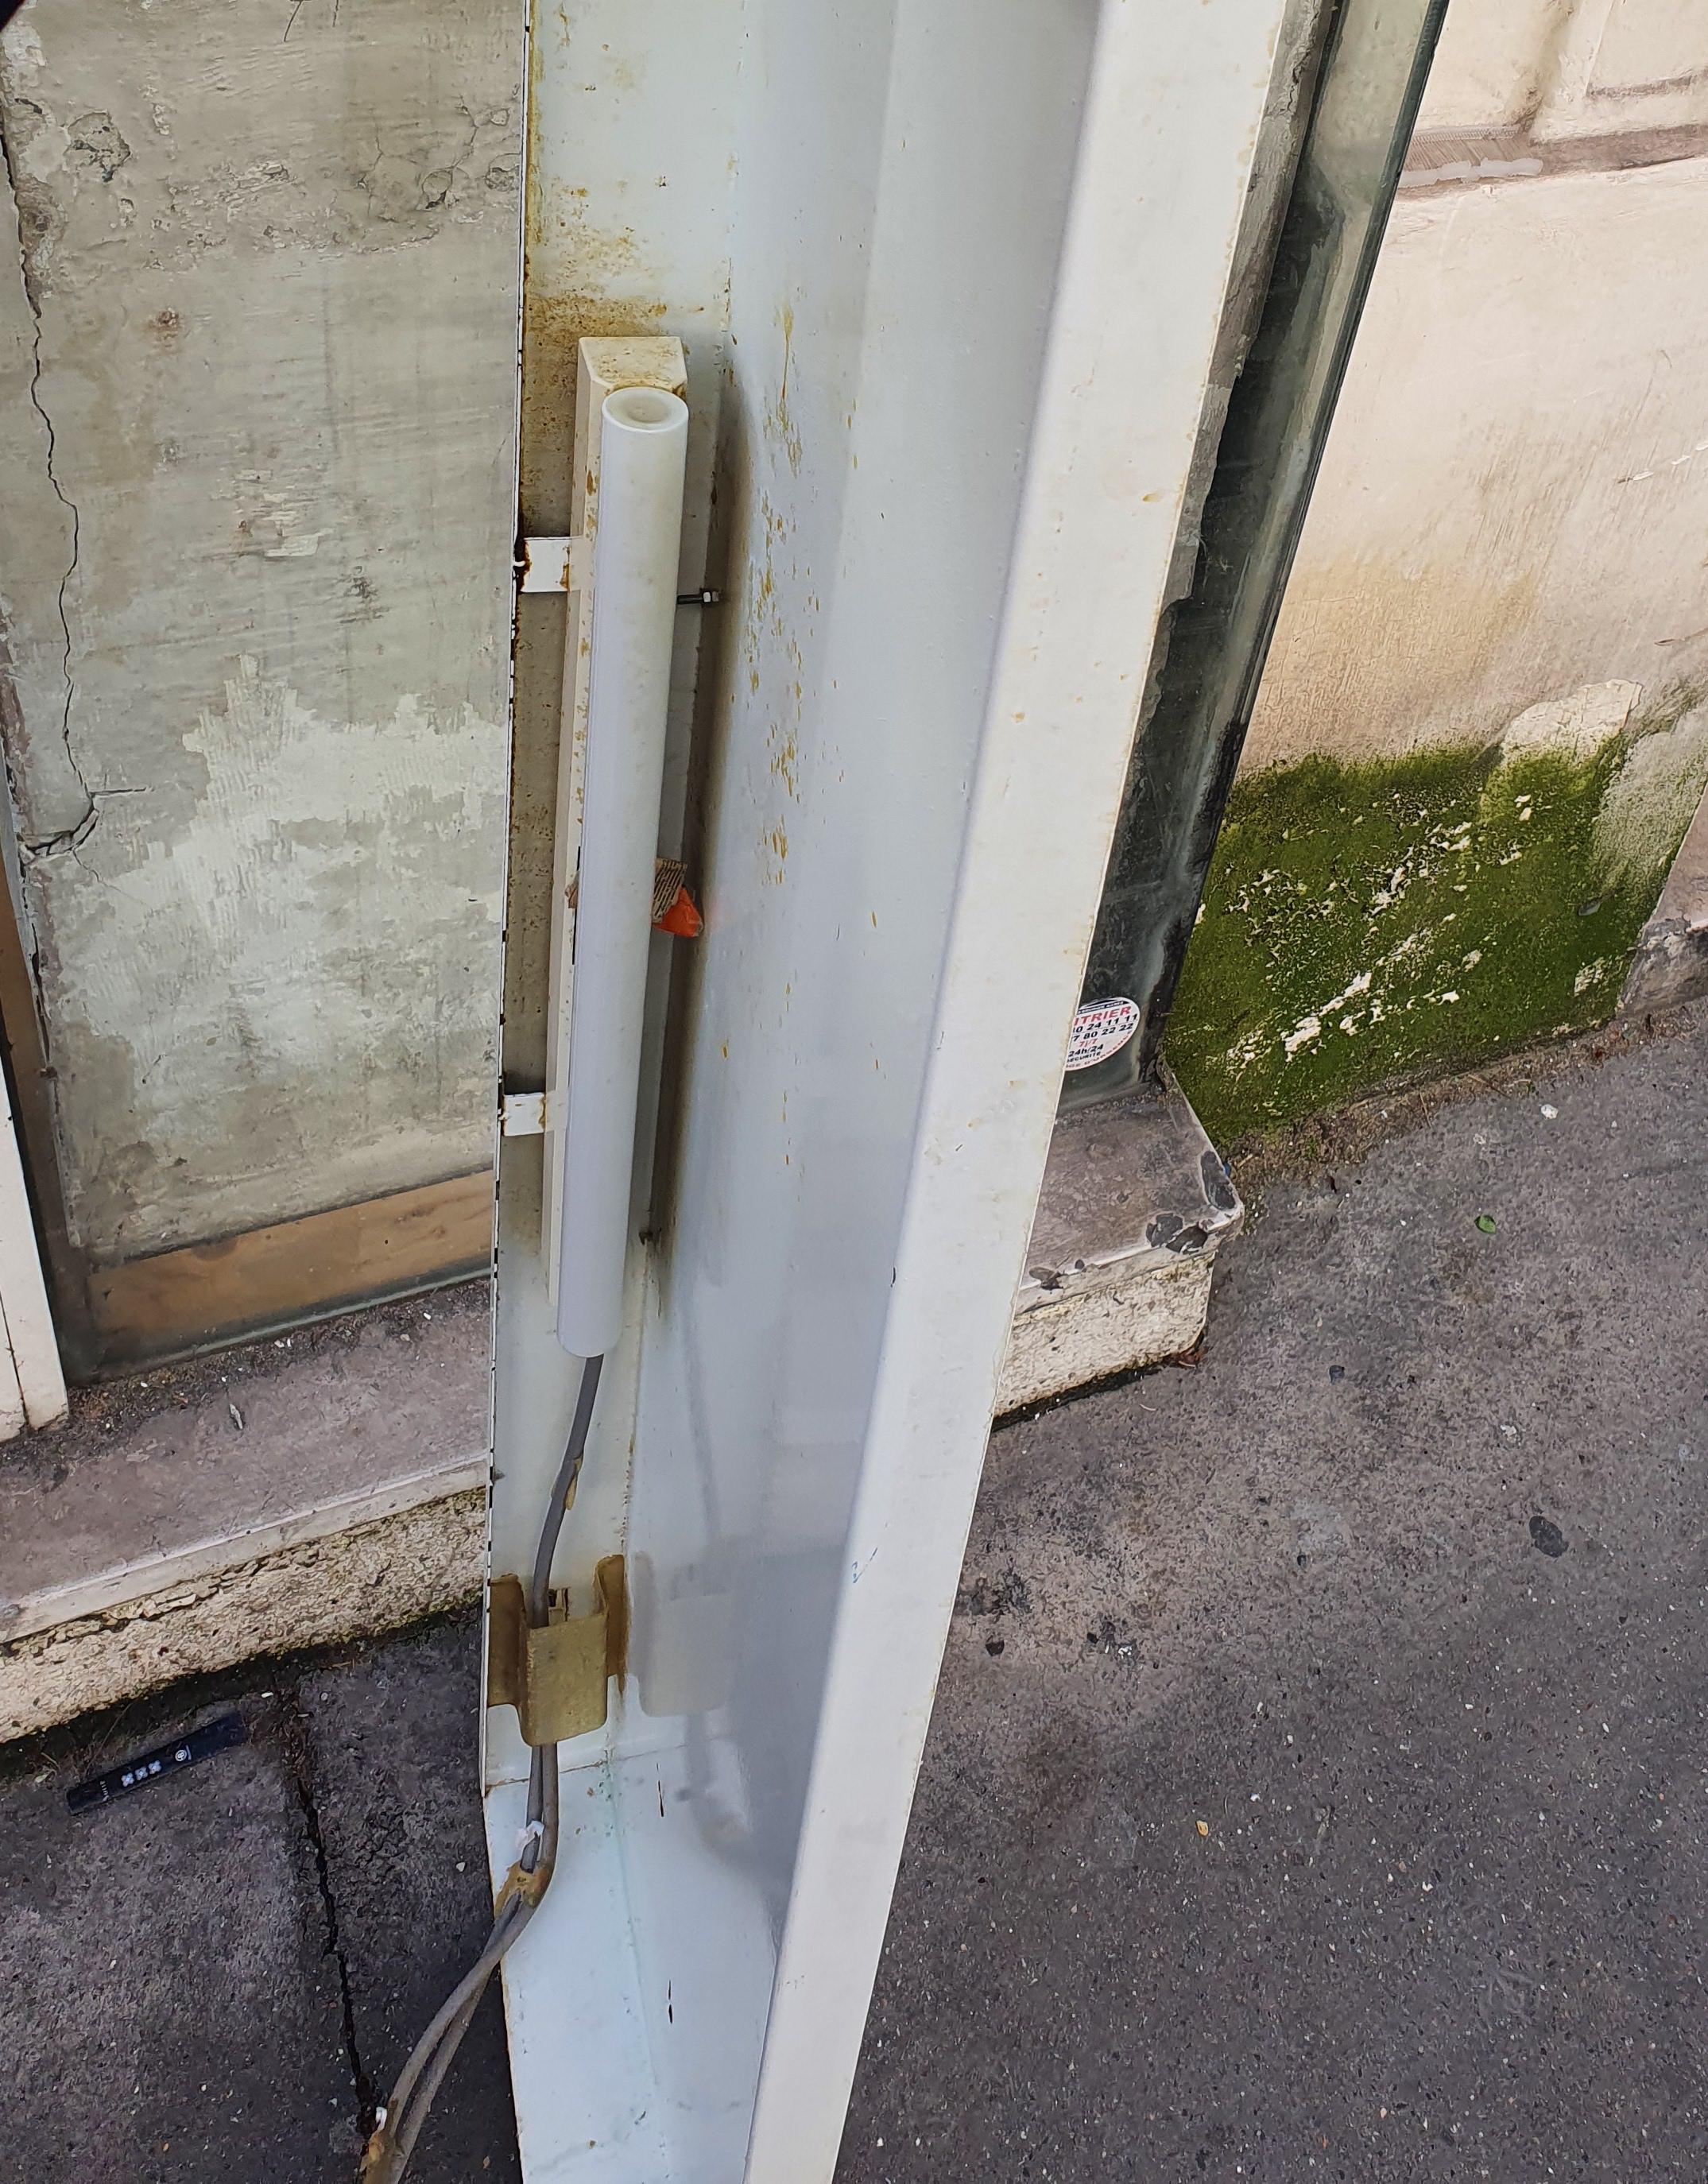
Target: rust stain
552, 324
558, 322
779, 422
786, 756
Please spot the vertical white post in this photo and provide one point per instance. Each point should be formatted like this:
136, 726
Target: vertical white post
975, 260
644, 451
32, 1384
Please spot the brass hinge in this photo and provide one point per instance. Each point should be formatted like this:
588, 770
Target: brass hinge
556, 1678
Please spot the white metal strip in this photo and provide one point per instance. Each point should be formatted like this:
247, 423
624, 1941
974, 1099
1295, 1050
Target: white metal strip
523, 1114
1172, 104
26, 1320
587, 2103
552, 565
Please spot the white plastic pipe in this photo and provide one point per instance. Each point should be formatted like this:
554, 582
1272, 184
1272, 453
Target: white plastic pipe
643, 446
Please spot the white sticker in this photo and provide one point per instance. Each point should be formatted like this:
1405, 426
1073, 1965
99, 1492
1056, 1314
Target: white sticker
1100, 1029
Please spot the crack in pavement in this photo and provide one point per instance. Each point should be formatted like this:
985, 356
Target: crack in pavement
296, 1741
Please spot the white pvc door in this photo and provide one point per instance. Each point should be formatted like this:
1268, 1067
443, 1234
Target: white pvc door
948, 275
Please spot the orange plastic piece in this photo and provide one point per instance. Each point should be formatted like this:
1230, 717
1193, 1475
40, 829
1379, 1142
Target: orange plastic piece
681, 917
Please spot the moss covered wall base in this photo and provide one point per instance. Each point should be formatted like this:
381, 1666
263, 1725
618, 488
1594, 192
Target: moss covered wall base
1370, 923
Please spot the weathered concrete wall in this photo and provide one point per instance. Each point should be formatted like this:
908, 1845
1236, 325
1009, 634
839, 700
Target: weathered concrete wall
257, 363
1483, 730
1569, 69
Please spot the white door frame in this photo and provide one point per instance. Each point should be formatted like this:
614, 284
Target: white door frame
952, 373
32, 1382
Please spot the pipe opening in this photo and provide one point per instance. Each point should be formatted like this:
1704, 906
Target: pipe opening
644, 409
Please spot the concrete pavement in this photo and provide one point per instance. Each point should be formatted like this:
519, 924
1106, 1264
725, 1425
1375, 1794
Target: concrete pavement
1317, 1787
1320, 1786
215, 1977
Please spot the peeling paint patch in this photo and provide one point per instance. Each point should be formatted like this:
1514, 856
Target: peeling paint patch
21, 47
94, 141
1367, 923
1575, 727
257, 355
250, 933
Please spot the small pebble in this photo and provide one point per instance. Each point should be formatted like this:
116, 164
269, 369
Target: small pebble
1547, 1537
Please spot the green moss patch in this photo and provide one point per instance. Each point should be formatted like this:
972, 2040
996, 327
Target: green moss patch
1373, 922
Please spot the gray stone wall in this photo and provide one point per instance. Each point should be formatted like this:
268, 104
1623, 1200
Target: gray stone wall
257, 392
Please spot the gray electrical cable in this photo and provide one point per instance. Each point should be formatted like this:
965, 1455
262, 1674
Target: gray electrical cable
399, 2122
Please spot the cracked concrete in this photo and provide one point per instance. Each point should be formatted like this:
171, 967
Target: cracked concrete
23, 192
218, 1976
395, 1758
369, 1577
25, 465
311, 1488
296, 1743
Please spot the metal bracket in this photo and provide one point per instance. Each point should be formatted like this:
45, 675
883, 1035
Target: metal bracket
556, 1678
552, 565
522, 1114
560, 564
